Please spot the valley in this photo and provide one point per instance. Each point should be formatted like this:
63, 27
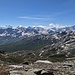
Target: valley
56, 47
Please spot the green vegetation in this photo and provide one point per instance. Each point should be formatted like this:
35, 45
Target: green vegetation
15, 59
12, 59
26, 44
56, 58
2, 58
20, 58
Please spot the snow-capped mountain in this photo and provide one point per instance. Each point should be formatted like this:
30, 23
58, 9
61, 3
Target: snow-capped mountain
49, 41
9, 34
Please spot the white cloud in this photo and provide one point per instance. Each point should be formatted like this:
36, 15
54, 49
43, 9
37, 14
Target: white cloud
42, 26
52, 25
35, 18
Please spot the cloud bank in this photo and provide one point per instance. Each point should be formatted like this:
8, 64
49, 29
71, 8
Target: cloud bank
52, 25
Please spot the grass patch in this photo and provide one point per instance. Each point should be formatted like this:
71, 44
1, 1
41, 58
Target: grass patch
57, 58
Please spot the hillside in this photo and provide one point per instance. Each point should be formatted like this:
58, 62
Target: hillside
31, 43
61, 41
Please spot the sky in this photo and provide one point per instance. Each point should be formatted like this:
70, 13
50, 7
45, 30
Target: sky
37, 12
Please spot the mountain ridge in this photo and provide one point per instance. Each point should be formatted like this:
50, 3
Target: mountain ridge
61, 41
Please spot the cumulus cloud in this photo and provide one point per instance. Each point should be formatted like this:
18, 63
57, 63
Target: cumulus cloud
52, 25
42, 26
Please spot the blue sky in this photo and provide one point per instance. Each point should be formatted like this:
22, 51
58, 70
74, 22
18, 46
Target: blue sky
37, 12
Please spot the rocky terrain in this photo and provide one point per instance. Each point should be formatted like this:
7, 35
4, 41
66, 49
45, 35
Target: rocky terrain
58, 43
21, 47
9, 34
27, 63
40, 68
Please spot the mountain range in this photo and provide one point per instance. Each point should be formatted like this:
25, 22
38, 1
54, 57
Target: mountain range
48, 41
10, 34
